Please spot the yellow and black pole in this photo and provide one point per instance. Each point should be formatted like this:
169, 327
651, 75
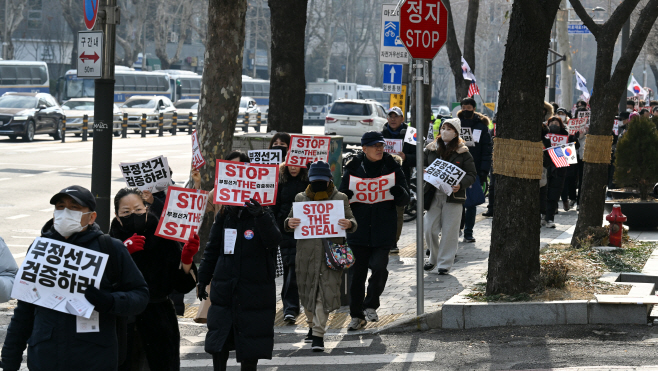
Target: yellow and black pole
161, 124
143, 125
63, 129
124, 126
85, 127
190, 122
174, 123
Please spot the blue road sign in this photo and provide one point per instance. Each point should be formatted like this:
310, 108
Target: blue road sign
578, 28
392, 34
392, 78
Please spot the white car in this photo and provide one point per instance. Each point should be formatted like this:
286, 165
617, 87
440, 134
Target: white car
75, 108
152, 106
351, 118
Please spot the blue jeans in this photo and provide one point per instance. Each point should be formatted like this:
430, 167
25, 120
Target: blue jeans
469, 221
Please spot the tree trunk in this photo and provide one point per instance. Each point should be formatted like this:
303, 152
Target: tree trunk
654, 70
222, 89
514, 251
287, 81
455, 53
566, 72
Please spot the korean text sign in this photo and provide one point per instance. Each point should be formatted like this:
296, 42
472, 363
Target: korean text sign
182, 214
443, 175
319, 219
304, 149
56, 273
393, 145
197, 158
266, 156
148, 175
372, 190
237, 182
467, 135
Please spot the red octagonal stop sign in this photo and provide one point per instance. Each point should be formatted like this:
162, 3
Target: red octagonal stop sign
423, 27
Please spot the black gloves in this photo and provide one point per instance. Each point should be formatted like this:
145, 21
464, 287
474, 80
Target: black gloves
348, 193
397, 191
101, 300
254, 208
483, 175
201, 291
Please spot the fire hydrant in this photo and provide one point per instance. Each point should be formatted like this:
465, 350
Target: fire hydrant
616, 219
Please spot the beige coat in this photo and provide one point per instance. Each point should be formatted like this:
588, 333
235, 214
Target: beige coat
311, 265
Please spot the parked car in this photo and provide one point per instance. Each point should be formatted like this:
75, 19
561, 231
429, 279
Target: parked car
76, 108
29, 114
248, 114
351, 118
152, 106
441, 111
184, 107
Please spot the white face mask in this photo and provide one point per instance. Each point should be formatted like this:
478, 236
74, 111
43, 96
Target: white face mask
563, 118
67, 222
447, 135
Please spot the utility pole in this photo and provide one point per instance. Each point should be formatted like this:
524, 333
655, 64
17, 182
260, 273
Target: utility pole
257, 33
101, 165
420, 206
5, 35
625, 35
551, 83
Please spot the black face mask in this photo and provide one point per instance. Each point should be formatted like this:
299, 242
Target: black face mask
320, 186
284, 150
468, 114
134, 223
554, 129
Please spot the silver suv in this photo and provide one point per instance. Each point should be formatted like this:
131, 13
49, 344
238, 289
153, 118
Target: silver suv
351, 118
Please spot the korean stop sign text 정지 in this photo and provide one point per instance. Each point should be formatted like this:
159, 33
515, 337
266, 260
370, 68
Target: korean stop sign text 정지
423, 27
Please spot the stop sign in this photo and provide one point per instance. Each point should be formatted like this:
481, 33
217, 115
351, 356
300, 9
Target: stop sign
423, 27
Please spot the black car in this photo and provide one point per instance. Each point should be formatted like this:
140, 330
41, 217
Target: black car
28, 114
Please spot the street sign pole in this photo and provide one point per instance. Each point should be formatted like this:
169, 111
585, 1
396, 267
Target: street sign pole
101, 165
420, 145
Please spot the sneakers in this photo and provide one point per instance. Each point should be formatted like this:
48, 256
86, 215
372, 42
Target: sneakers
290, 318
309, 336
429, 266
317, 344
469, 239
550, 224
461, 232
566, 205
443, 271
394, 250
488, 213
371, 315
356, 324
572, 203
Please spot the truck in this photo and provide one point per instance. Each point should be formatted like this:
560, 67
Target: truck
321, 94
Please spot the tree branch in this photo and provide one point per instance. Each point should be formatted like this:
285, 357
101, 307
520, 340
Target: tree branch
620, 15
594, 28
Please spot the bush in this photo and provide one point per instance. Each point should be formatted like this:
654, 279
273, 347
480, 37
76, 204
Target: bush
554, 273
636, 163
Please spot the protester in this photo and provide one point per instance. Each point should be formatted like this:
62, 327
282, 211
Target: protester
395, 128
319, 286
54, 343
292, 180
378, 221
482, 152
8, 269
211, 206
630, 105
444, 211
280, 141
570, 189
645, 113
551, 192
165, 268
243, 295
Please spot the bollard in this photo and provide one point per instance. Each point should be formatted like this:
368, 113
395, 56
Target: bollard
190, 122
124, 126
63, 129
258, 122
143, 125
161, 124
174, 123
85, 127
245, 128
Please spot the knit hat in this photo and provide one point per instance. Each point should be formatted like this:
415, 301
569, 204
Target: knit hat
454, 122
320, 171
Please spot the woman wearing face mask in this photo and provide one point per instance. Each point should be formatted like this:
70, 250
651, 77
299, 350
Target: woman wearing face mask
165, 268
319, 286
551, 192
569, 191
281, 141
444, 212
292, 180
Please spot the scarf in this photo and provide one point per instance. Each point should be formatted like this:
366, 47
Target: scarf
319, 196
394, 132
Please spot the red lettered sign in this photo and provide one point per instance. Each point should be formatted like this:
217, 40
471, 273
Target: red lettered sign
306, 148
237, 182
372, 190
557, 139
182, 214
197, 157
319, 219
423, 27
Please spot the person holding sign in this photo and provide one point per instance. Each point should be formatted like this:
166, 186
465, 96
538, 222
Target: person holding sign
444, 209
280, 141
550, 193
240, 260
60, 341
375, 184
319, 286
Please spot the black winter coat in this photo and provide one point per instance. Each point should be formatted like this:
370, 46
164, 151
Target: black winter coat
408, 149
243, 294
483, 150
159, 262
377, 222
289, 187
555, 175
54, 344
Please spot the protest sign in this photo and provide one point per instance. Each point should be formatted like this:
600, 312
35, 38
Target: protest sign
319, 219
443, 175
149, 175
266, 156
197, 158
182, 214
411, 137
393, 145
582, 114
372, 190
557, 139
578, 125
467, 135
306, 148
56, 274
615, 128
237, 182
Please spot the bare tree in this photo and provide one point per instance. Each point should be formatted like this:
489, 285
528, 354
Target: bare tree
170, 15
355, 20
321, 32
72, 13
455, 52
15, 14
130, 33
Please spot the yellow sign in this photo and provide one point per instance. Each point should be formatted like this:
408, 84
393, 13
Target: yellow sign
399, 100
491, 106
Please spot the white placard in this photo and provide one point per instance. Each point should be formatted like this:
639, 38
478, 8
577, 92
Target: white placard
443, 175
307, 148
372, 190
149, 175
182, 214
393, 145
197, 157
319, 219
476, 135
237, 182
230, 236
467, 135
266, 156
557, 139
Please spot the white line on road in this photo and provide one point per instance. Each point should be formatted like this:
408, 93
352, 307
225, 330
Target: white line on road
27, 175
26, 237
333, 360
17, 216
70, 169
1, 179
46, 210
19, 255
24, 246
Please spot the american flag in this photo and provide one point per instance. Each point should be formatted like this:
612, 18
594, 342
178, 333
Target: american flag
558, 157
473, 89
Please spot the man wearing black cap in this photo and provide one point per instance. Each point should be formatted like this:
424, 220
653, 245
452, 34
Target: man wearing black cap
377, 222
53, 336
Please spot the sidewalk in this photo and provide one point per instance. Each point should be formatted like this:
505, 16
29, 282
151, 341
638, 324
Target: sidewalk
398, 302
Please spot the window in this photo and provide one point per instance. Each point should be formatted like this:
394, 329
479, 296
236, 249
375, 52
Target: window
129, 83
381, 111
140, 82
8, 75
34, 14
118, 83
152, 82
351, 109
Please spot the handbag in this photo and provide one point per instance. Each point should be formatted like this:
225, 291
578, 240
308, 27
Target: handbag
279, 263
338, 257
474, 194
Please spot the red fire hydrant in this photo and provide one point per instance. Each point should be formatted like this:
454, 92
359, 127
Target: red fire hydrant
616, 219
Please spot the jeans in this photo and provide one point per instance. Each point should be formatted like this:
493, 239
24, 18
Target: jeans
289, 293
469, 221
376, 259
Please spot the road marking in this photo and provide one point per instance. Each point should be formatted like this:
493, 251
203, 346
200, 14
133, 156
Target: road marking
1, 179
17, 216
46, 210
24, 246
70, 169
26, 237
27, 175
333, 360
19, 255
283, 346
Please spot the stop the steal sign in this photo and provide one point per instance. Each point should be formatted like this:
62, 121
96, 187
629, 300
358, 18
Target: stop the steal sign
305, 148
237, 182
182, 214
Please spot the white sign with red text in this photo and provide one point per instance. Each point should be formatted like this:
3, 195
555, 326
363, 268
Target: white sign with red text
372, 190
557, 139
319, 219
579, 125
393, 145
197, 158
237, 182
182, 214
306, 148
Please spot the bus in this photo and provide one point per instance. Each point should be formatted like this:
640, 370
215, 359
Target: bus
369, 92
184, 84
260, 91
24, 77
128, 82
